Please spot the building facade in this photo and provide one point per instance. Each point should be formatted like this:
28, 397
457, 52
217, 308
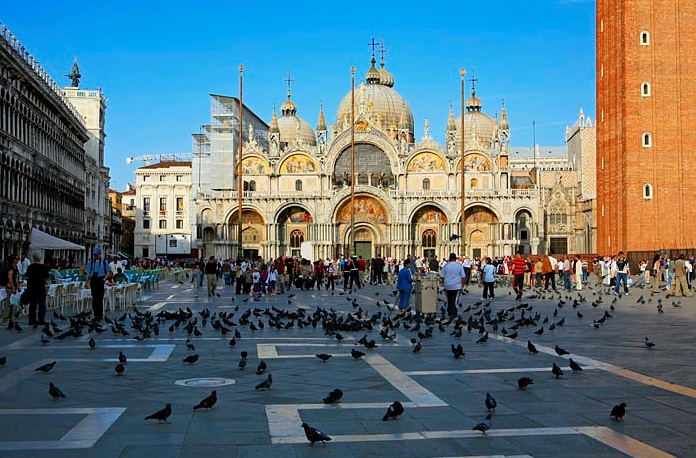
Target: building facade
42, 153
91, 104
163, 194
300, 195
646, 147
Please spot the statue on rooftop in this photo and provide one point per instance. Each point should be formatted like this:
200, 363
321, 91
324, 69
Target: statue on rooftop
74, 75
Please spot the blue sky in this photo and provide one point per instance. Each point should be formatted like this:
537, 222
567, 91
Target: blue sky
157, 61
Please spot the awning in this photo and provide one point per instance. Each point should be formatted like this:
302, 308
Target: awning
43, 241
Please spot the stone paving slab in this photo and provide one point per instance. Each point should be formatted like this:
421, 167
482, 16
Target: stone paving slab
444, 396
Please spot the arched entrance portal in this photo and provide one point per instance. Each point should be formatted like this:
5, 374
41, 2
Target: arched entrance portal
370, 217
481, 230
426, 223
252, 232
293, 229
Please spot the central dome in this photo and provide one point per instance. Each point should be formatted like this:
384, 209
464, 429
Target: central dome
477, 125
377, 101
292, 127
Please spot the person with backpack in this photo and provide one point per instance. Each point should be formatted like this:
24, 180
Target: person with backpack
622, 272
96, 271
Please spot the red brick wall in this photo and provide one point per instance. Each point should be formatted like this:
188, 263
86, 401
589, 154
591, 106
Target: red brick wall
626, 221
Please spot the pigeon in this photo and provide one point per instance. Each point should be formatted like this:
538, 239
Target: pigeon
532, 348
484, 338
18, 328
190, 345
356, 354
484, 425
55, 392
261, 368
191, 359
417, 348
161, 415
649, 343
556, 370
539, 331
46, 367
314, 435
208, 402
524, 382
323, 356
120, 368
44, 340
457, 351
266, 384
338, 337
560, 351
243, 361
3, 361
393, 411
618, 412
575, 367
92, 343
122, 358
333, 396
233, 342
490, 402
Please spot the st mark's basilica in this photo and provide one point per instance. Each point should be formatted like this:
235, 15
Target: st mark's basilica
407, 193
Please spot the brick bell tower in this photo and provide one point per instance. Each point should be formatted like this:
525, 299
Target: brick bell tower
646, 138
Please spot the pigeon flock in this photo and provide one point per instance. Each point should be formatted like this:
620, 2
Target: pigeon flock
479, 320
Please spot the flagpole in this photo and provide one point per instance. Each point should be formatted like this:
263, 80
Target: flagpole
462, 73
352, 161
240, 182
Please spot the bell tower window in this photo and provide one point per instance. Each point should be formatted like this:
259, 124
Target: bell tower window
645, 89
647, 140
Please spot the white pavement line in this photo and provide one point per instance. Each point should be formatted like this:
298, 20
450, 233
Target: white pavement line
283, 421
174, 286
490, 371
267, 351
607, 436
488, 456
170, 297
160, 353
83, 435
414, 391
616, 370
22, 343
623, 443
157, 306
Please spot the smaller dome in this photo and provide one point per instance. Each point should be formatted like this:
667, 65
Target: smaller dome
385, 78
372, 76
288, 108
474, 103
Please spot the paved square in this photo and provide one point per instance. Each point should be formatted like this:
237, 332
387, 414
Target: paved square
103, 413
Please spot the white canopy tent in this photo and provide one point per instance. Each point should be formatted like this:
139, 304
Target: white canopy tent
39, 240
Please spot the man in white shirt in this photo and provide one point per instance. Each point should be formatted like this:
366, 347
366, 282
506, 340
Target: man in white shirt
22, 265
114, 265
453, 279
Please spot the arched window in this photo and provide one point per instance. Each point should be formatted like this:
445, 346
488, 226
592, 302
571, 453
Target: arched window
298, 185
250, 185
429, 238
647, 140
644, 38
474, 183
558, 214
426, 184
296, 238
250, 236
645, 89
647, 191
